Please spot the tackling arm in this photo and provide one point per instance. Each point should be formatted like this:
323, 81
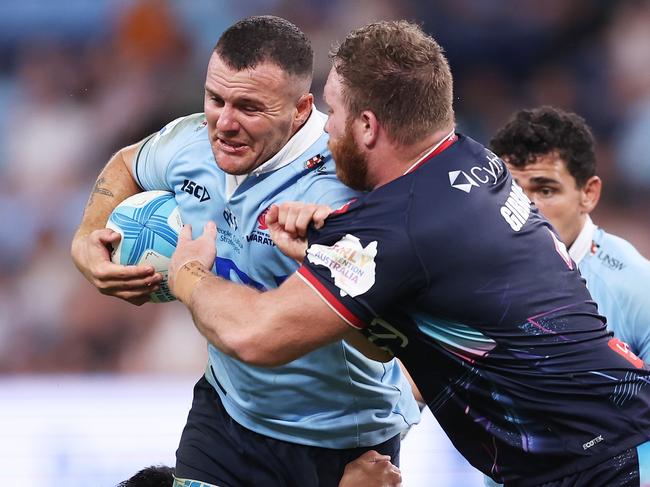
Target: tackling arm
89, 249
261, 328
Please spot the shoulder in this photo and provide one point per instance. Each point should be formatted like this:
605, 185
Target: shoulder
188, 123
615, 267
180, 132
615, 254
317, 177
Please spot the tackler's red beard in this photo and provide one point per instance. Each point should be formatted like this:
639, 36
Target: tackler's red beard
351, 163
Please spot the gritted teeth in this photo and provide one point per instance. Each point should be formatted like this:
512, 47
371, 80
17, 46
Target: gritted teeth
231, 144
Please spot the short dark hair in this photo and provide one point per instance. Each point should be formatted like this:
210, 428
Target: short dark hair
266, 38
154, 476
398, 72
540, 131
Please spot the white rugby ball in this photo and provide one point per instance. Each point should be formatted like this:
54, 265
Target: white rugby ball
149, 223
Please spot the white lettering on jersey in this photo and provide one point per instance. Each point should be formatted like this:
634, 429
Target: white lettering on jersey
593, 442
516, 209
385, 335
486, 174
351, 265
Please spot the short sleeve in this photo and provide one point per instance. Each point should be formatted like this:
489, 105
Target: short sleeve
360, 265
157, 151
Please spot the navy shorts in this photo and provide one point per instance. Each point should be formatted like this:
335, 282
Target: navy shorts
216, 449
631, 468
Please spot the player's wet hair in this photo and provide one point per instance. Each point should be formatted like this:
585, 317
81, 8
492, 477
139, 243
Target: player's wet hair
399, 73
154, 476
540, 131
266, 38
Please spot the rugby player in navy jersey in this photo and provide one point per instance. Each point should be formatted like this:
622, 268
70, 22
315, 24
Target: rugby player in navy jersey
445, 264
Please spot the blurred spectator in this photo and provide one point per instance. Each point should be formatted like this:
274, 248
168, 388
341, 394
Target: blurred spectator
629, 45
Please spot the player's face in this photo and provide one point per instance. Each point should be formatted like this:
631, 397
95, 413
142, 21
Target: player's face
548, 183
351, 162
251, 114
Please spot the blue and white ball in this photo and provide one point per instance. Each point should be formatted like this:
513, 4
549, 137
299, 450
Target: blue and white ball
149, 223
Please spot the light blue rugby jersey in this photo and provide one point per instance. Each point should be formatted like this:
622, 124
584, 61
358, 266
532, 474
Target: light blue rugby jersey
333, 397
618, 278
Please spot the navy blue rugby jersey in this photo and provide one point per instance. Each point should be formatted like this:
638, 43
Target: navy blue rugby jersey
453, 270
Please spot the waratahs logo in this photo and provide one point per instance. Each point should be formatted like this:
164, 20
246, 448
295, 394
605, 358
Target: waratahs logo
261, 220
260, 234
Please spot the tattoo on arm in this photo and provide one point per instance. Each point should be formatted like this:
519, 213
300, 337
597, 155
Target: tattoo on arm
98, 189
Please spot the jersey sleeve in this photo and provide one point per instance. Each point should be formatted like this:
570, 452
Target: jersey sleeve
618, 279
359, 266
640, 314
157, 151
636, 308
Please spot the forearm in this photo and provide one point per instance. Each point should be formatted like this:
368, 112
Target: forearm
92, 243
114, 184
261, 328
221, 321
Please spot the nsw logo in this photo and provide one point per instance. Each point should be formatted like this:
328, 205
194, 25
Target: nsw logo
261, 220
260, 234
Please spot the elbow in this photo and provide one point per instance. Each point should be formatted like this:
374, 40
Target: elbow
261, 358
255, 348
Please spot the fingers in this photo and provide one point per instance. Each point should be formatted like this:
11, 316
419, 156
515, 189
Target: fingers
203, 249
371, 469
295, 217
106, 235
303, 218
272, 215
384, 472
186, 232
210, 231
321, 213
373, 456
135, 297
137, 281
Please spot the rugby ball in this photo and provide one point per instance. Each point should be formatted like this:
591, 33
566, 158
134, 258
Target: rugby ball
149, 223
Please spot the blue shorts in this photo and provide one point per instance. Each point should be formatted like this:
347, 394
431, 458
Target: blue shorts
215, 449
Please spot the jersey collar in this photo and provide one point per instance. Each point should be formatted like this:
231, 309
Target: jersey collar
582, 244
434, 151
304, 138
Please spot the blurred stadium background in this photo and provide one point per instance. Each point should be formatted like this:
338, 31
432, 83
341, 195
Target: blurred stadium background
92, 389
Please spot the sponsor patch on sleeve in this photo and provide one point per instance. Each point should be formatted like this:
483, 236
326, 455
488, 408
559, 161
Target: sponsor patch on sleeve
351, 265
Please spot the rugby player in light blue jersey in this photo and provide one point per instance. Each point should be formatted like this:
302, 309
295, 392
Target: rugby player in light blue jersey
298, 424
551, 155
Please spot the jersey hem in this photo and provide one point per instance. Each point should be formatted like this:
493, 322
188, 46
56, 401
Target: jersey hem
362, 440
579, 465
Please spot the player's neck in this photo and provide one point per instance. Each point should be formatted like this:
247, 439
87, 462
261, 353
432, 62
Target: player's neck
403, 156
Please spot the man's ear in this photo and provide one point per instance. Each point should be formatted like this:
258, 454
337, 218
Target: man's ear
303, 109
590, 194
368, 126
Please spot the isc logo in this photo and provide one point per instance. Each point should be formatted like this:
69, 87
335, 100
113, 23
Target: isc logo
199, 192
